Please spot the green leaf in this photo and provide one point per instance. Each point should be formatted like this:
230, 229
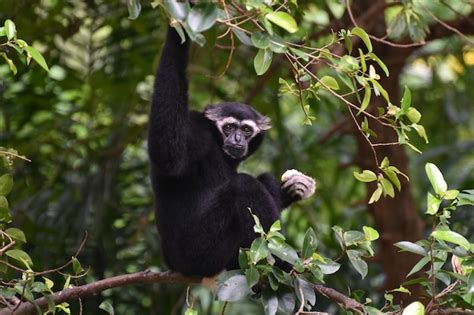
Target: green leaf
364, 36
328, 267
451, 237
260, 40
380, 63
106, 306
191, 311
258, 250
283, 251
414, 308
436, 179
432, 204
366, 176
376, 194
286, 302
301, 54
134, 8
76, 266
4, 210
36, 55
307, 289
177, 9
353, 237
20, 256
362, 60
356, 260
419, 265
406, 99
270, 304
466, 198
421, 131
276, 226
413, 115
252, 276
380, 90
202, 17
283, 20
330, 82
6, 184
16, 234
310, 243
370, 233
262, 61
393, 178
10, 29
366, 99
233, 289
244, 38
10, 63
411, 247
387, 187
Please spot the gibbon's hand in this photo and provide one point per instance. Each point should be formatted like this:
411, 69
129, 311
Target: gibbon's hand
297, 184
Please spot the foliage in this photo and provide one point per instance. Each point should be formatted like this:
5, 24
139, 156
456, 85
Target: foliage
82, 124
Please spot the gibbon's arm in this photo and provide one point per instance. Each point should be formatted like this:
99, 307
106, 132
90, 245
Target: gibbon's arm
169, 117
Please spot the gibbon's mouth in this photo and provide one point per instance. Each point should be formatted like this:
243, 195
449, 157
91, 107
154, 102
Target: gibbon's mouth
235, 151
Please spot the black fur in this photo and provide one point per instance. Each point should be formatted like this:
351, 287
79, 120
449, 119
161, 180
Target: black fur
201, 201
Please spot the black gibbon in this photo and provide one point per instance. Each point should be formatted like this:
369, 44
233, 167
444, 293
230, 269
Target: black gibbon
202, 203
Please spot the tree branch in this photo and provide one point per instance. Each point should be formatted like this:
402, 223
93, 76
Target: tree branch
142, 277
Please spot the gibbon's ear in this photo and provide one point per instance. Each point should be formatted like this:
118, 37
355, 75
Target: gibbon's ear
264, 123
212, 112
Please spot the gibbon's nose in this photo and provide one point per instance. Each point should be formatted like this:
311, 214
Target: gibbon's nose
237, 138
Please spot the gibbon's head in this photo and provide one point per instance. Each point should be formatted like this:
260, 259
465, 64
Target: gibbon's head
241, 127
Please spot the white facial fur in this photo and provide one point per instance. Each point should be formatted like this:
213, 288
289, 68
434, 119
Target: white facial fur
231, 120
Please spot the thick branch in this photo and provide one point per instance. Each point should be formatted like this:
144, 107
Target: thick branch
336, 296
99, 286
25, 308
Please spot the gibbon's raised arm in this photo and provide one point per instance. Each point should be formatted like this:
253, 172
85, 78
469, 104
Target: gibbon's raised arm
169, 117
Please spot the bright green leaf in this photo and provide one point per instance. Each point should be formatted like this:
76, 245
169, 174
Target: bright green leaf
36, 55
364, 36
436, 178
413, 115
419, 265
4, 210
283, 20
366, 99
406, 99
16, 234
106, 306
376, 194
432, 204
366, 176
10, 29
330, 82
6, 184
415, 308
370, 233
451, 237
20, 256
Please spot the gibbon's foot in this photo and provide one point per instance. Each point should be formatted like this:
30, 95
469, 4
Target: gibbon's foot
297, 184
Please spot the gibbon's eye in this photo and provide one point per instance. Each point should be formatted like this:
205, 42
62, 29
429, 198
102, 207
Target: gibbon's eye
227, 128
248, 131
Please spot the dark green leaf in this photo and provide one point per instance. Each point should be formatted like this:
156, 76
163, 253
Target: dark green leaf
258, 250
262, 61
4, 210
233, 289
310, 243
106, 306
177, 9
366, 99
260, 40
357, 262
244, 38
6, 184
286, 303
283, 251
203, 17
328, 267
353, 237
252, 276
420, 264
307, 289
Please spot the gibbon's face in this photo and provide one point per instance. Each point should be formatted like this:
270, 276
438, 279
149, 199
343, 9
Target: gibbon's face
238, 124
237, 135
